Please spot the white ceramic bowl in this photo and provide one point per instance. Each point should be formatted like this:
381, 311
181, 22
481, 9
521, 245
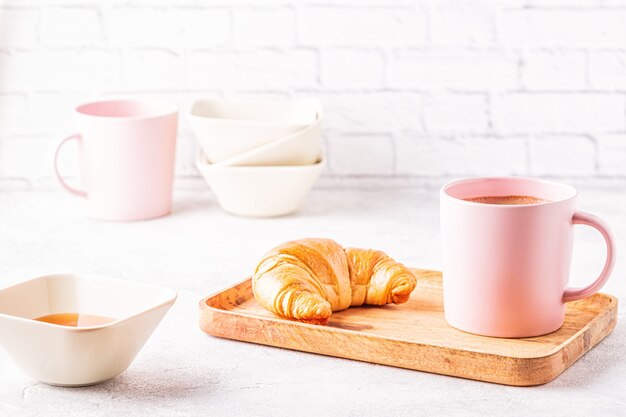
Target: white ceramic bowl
300, 148
77, 356
259, 191
227, 128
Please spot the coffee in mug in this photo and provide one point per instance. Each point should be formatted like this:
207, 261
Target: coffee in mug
507, 200
507, 247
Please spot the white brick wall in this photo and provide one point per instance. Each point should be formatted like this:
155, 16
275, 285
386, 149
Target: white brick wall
411, 89
559, 112
70, 27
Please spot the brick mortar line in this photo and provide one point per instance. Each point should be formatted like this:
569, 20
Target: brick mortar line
329, 90
529, 7
438, 51
361, 182
430, 135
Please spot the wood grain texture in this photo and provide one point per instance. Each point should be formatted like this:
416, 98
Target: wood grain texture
415, 335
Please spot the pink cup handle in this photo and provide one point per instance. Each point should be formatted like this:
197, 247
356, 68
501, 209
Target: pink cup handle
58, 176
572, 294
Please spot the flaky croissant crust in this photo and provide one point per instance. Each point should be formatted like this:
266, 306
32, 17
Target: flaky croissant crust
307, 279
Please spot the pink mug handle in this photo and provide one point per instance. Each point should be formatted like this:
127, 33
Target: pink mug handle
61, 181
573, 294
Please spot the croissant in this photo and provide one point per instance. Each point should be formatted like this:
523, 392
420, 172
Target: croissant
307, 279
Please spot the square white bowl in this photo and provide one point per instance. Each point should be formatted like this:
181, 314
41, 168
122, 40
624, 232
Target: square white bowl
77, 356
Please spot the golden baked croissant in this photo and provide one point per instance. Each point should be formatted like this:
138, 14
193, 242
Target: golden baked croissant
307, 279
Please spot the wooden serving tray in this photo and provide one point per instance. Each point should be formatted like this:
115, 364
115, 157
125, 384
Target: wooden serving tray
415, 335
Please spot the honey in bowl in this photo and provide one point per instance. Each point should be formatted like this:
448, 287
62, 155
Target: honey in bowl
75, 319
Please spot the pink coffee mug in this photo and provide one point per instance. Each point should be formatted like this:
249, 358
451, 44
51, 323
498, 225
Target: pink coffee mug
126, 158
506, 267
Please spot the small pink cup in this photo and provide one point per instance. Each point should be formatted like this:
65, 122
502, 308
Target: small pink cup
506, 267
126, 152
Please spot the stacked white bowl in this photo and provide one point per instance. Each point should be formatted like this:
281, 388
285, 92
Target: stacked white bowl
260, 158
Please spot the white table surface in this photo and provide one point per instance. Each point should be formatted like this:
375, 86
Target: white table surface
199, 249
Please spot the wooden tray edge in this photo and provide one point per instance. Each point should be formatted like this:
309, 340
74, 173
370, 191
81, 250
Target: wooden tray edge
519, 371
585, 339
